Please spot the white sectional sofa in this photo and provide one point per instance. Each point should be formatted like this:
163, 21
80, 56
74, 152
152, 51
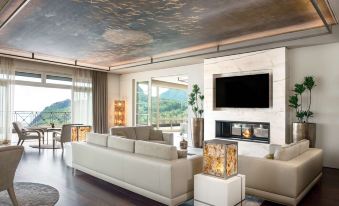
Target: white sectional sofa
150, 169
145, 133
285, 179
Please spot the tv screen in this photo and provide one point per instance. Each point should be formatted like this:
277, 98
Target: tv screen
249, 91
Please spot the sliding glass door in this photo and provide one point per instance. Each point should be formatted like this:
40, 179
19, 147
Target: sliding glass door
142, 103
169, 105
162, 103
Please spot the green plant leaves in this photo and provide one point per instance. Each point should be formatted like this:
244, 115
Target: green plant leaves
294, 101
299, 89
309, 82
195, 100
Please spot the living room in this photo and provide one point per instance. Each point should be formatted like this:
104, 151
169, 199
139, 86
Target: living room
169, 102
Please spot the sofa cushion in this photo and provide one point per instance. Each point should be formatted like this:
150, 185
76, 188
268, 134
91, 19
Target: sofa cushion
143, 132
156, 141
97, 139
304, 145
128, 132
156, 135
120, 143
161, 151
287, 152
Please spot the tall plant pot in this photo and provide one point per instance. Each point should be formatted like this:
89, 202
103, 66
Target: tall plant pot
304, 131
197, 127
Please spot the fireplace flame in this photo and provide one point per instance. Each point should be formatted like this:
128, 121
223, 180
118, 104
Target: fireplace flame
247, 133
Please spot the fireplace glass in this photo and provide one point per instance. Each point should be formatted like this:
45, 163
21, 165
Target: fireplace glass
244, 131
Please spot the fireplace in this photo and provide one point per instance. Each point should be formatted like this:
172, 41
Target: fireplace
243, 131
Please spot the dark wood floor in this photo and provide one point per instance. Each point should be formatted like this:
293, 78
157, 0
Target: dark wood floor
48, 167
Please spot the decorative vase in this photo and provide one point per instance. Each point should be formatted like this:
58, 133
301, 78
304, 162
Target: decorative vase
197, 132
304, 131
183, 144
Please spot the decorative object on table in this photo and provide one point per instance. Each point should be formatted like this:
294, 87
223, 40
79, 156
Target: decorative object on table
52, 125
182, 153
196, 99
119, 113
31, 194
303, 129
183, 144
220, 158
9, 160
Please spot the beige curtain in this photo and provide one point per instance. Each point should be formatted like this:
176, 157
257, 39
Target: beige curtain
100, 108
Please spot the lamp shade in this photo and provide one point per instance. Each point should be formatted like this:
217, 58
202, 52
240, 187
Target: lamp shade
220, 158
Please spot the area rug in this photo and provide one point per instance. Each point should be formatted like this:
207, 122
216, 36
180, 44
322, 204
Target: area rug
31, 194
45, 146
249, 201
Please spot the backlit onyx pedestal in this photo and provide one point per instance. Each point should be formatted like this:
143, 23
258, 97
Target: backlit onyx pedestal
220, 158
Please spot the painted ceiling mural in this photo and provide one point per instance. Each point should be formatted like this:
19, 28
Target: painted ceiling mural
108, 32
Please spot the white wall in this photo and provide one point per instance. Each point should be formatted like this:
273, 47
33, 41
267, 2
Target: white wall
194, 73
113, 93
323, 63
272, 61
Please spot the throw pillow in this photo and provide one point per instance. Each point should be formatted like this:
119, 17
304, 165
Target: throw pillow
156, 135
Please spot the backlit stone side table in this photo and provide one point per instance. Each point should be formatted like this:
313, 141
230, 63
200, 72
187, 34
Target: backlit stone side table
209, 190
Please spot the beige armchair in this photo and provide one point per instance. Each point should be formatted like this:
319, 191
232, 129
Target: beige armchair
64, 136
24, 134
9, 160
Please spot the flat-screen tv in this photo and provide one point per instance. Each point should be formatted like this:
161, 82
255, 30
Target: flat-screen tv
249, 91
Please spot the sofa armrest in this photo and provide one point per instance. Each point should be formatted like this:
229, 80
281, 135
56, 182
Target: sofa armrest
168, 137
287, 178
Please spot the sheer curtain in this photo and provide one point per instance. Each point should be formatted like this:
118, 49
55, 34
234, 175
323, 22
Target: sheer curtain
82, 109
7, 75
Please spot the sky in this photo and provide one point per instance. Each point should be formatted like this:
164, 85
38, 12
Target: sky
28, 98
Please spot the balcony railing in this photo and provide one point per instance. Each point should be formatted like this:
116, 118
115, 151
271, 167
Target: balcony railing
33, 119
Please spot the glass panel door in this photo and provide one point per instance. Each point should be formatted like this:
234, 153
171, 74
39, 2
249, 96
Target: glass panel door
142, 103
169, 107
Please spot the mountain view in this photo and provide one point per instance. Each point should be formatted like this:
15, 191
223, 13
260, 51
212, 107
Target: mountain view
58, 113
172, 107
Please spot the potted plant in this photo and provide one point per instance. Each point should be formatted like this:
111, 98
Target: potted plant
303, 129
196, 99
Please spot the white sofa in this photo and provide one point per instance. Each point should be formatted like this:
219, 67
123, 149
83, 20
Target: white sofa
286, 180
145, 133
149, 169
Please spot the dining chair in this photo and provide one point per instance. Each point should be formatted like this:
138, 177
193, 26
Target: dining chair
64, 136
10, 157
24, 134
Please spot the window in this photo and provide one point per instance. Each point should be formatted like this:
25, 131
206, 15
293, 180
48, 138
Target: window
42, 108
169, 107
142, 107
51, 79
29, 77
